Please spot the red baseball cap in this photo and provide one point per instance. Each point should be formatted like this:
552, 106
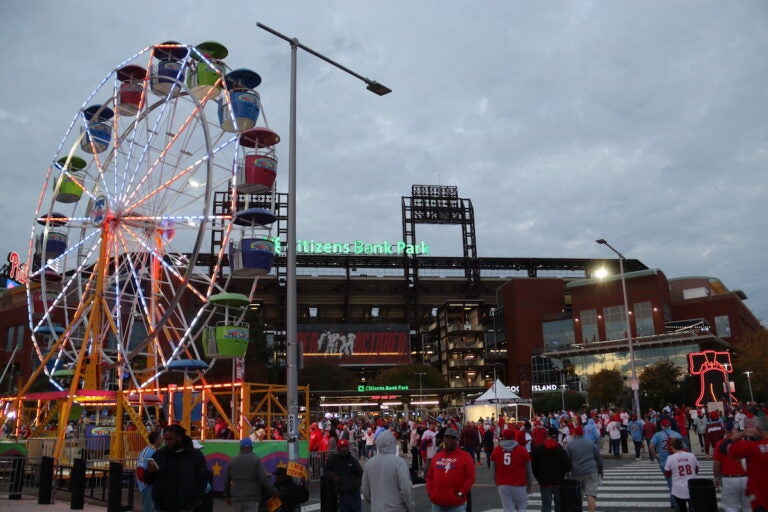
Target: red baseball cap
342, 442
666, 423
508, 433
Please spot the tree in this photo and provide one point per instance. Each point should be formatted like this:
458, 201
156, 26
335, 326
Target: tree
551, 402
659, 384
751, 354
606, 387
322, 374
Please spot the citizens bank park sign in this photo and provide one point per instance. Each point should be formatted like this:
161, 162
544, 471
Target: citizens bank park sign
356, 247
357, 345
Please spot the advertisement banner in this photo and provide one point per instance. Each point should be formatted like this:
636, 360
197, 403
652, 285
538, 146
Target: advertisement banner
357, 344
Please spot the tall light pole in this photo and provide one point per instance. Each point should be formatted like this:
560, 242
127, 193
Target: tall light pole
634, 383
563, 385
421, 390
748, 373
291, 351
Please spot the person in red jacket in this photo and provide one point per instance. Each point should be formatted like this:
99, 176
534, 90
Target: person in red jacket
450, 476
752, 444
512, 470
315, 435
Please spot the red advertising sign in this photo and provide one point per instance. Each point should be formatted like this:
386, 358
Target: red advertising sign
357, 344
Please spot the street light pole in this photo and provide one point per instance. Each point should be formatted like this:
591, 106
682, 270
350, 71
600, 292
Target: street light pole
634, 383
421, 392
291, 328
748, 373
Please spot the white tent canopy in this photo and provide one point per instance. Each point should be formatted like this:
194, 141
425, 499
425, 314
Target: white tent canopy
498, 393
495, 400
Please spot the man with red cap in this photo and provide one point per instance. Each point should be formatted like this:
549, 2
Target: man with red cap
586, 465
714, 432
512, 471
451, 475
346, 474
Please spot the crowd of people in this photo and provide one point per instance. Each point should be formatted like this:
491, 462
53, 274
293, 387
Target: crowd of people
173, 476
560, 452
549, 449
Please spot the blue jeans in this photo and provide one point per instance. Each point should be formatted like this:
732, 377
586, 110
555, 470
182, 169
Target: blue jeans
147, 505
549, 493
350, 502
457, 508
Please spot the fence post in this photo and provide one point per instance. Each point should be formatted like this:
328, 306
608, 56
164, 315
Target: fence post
17, 478
45, 493
115, 487
77, 485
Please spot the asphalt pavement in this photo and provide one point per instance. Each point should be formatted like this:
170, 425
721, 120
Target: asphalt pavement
484, 494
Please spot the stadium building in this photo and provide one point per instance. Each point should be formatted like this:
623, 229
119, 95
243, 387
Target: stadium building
535, 323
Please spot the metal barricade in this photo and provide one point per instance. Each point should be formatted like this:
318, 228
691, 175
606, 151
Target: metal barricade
317, 461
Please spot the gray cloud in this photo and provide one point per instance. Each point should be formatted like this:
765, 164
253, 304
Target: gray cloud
566, 121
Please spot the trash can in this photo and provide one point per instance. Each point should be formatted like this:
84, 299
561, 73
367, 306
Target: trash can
703, 494
569, 491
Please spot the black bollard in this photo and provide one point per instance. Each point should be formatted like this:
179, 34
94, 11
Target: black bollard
17, 478
624, 439
703, 494
115, 487
77, 485
328, 500
570, 495
45, 493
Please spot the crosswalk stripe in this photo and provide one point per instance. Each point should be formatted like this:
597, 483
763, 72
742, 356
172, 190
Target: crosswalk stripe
638, 485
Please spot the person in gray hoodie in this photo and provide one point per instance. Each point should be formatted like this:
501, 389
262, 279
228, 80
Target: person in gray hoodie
386, 480
586, 465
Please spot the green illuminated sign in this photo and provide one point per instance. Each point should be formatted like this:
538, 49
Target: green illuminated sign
364, 388
357, 247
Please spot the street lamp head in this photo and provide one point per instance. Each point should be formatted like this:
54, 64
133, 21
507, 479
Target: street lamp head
601, 241
377, 88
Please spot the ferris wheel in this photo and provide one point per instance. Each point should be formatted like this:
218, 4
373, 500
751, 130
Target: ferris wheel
117, 295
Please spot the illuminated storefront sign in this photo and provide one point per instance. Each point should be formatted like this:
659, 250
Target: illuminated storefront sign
14, 272
536, 388
357, 344
365, 388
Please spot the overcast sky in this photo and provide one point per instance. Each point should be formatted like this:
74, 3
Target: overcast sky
641, 122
